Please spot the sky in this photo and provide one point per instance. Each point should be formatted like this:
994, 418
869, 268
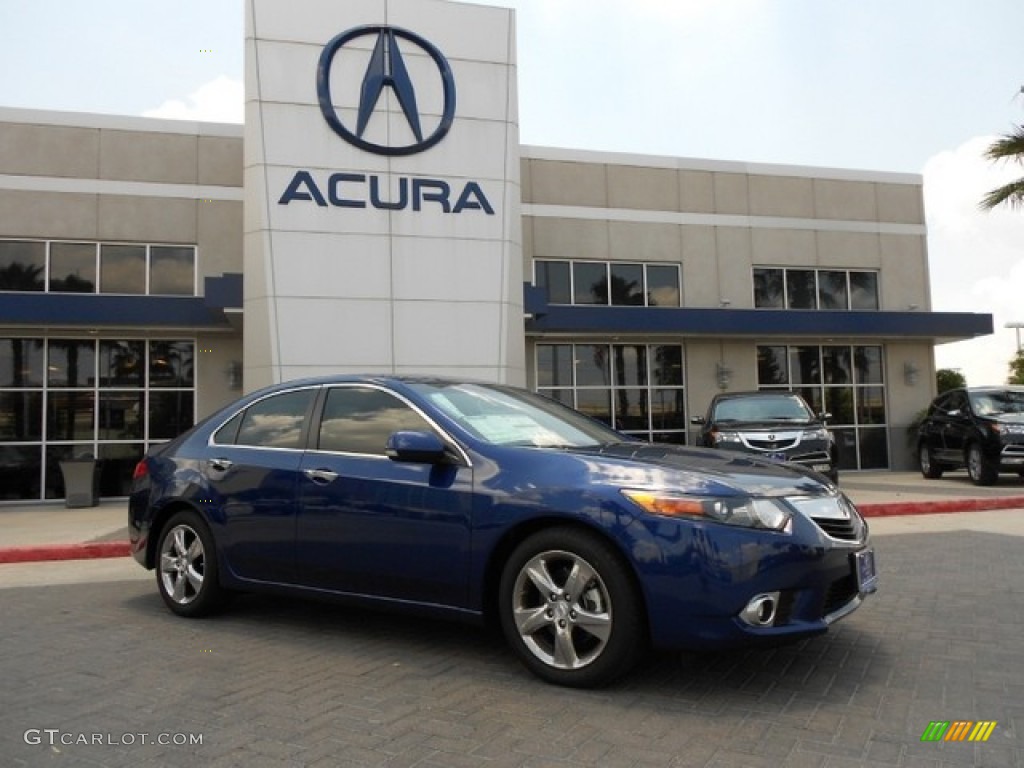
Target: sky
908, 86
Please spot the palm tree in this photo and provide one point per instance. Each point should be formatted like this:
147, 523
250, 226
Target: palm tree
1008, 147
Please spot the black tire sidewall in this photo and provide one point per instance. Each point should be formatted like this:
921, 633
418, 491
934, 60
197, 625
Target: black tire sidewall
628, 635
211, 596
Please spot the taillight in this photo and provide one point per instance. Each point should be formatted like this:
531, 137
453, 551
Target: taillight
141, 470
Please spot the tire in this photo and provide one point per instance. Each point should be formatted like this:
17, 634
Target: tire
980, 469
581, 640
926, 460
186, 567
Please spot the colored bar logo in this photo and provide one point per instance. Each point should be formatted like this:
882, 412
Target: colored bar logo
958, 730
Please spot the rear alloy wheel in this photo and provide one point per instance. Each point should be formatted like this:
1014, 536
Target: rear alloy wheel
929, 467
570, 609
186, 567
980, 469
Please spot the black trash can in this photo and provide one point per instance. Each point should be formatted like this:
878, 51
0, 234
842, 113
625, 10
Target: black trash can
81, 482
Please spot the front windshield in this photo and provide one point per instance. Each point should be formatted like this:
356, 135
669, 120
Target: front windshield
507, 416
997, 403
762, 408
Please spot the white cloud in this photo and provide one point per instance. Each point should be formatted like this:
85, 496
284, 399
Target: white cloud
218, 101
976, 258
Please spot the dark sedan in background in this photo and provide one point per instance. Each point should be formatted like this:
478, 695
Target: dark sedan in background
980, 428
776, 425
480, 501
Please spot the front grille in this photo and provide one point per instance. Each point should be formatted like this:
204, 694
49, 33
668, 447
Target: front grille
849, 529
771, 445
839, 593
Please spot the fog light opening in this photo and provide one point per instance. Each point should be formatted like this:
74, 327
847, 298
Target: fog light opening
761, 610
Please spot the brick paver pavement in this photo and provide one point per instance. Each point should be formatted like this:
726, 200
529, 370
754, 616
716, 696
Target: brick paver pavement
277, 682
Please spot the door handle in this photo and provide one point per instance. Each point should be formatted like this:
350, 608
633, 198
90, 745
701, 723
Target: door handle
221, 465
321, 476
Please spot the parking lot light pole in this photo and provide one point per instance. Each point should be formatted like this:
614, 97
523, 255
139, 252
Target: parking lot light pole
1016, 326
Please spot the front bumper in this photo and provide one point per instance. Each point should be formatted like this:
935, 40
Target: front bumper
697, 600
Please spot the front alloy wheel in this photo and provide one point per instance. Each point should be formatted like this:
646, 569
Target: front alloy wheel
980, 469
186, 568
929, 468
570, 610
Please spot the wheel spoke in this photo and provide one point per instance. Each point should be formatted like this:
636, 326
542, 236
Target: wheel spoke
537, 572
166, 563
180, 547
597, 624
565, 652
195, 550
579, 577
530, 620
179, 588
195, 578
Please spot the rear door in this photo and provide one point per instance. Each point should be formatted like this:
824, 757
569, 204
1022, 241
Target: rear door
253, 474
373, 526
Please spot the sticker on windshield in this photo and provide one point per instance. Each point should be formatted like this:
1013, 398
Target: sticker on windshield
513, 429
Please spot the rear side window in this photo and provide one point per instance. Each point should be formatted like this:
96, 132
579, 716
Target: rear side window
361, 419
278, 421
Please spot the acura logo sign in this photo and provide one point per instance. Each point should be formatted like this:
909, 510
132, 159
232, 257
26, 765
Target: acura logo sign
386, 69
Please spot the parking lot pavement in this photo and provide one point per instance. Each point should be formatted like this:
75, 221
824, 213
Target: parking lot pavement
279, 682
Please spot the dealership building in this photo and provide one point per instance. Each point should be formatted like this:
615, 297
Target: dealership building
377, 213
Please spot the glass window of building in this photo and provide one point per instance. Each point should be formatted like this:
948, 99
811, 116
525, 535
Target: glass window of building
800, 289
172, 270
590, 282
627, 284
863, 290
73, 267
663, 285
122, 268
609, 283
769, 288
832, 292
554, 276
847, 381
636, 388
777, 288
94, 400
22, 265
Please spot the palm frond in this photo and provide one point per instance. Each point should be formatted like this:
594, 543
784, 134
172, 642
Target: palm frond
1012, 194
1010, 146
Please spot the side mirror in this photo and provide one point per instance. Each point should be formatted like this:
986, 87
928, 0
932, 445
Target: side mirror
416, 447
824, 415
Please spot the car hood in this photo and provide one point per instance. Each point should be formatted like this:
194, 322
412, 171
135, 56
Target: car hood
766, 425
1009, 418
703, 471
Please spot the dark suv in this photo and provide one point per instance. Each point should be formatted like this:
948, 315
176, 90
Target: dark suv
777, 425
981, 428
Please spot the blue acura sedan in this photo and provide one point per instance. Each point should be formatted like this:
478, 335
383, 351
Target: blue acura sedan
485, 502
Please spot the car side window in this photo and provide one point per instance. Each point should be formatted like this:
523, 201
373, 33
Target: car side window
277, 421
361, 419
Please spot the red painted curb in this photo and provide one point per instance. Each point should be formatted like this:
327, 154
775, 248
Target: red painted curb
86, 551
889, 509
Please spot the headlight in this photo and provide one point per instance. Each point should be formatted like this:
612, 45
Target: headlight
1007, 429
725, 437
766, 514
816, 434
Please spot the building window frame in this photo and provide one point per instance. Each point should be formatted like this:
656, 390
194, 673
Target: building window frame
787, 277
610, 297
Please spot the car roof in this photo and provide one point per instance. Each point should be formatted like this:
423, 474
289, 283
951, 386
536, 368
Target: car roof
756, 393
